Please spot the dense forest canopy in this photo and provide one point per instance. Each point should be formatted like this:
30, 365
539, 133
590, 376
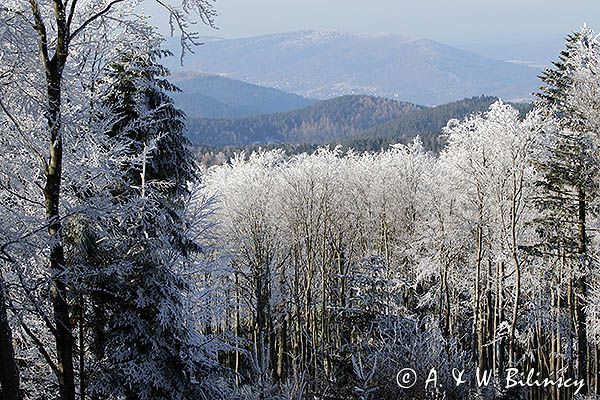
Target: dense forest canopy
348, 267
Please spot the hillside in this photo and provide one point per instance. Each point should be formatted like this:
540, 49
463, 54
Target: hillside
359, 122
211, 96
322, 122
329, 64
425, 122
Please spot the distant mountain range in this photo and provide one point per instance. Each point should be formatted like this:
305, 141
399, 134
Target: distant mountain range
210, 96
357, 121
329, 64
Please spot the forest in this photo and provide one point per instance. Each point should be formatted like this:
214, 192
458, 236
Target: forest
299, 131
318, 123
128, 271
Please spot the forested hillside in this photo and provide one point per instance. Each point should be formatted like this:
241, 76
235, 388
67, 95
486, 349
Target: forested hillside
323, 122
425, 122
372, 275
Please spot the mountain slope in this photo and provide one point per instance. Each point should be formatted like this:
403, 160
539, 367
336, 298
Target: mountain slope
425, 122
360, 122
319, 123
197, 105
211, 96
329, 64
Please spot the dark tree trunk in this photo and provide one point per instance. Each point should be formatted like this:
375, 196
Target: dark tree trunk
9, 373
64, 333
581, 296
54, 65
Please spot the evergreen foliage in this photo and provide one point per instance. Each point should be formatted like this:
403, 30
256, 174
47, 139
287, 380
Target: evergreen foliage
321, 123
362, 125
145, 116
145, 341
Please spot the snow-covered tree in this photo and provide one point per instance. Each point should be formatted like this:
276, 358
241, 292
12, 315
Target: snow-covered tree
58, 166
569, 170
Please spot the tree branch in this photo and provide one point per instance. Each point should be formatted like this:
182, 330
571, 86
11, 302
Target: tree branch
25, 138
41, 30
71, 13
36, 340
94, 17
177, 20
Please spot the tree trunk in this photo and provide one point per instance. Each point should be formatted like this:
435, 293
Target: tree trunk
489, 315
581, 296
500, 351
64, 334
476, 330
54, 65
517, 265
9, 373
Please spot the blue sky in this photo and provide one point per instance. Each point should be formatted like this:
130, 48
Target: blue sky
449, 21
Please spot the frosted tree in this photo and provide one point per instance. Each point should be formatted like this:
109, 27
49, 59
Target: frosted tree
342, 242
54, 51
137, 94
570, 170
487, 162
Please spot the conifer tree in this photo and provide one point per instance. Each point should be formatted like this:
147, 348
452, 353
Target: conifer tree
145, 343
147, 117
569, 176
50, 45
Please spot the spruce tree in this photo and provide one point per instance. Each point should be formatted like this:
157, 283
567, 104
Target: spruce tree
147, 118
553, 93
144, 343
569, 176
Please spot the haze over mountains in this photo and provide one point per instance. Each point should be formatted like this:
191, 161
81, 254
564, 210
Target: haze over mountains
322, 65
539, 53
337, 88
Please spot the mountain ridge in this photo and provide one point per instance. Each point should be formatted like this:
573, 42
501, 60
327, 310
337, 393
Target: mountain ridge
328, 64
359, 121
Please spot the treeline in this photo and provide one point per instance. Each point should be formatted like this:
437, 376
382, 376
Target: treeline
338, 270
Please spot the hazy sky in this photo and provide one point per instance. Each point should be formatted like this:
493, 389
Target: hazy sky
449, 21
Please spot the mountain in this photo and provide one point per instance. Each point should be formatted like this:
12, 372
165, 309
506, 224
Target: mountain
213, 96
319, 123
328, 64
426, 122
197, 105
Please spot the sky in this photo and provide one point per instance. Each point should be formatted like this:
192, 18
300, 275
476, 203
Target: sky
449, 21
